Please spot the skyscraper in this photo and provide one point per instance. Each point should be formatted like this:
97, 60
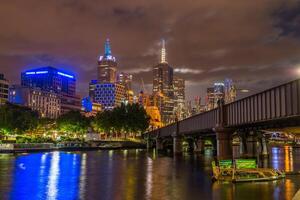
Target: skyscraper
107, 90
107, 66
50, 79
225, 91
179, 96
3, 89
230, 91
163, 84
126, 80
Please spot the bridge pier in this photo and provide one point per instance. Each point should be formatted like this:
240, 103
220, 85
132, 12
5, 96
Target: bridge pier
177, 145
243, 145
200, 145
148, 142
224, 143
159, 144
252, 146
264, 148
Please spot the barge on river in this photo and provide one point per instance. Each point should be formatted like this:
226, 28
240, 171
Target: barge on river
243, 170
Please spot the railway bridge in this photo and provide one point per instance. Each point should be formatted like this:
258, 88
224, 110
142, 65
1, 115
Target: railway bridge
276, 107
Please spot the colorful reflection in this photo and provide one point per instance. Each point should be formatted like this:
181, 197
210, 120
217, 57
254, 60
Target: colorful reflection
46, 176
288, 159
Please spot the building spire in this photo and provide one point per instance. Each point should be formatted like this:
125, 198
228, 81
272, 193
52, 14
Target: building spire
107, 48
163, 58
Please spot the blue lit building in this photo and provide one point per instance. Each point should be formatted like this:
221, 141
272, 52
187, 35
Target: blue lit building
87, 104
50, 79
109, 95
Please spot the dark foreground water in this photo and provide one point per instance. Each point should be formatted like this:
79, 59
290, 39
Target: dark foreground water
133, 174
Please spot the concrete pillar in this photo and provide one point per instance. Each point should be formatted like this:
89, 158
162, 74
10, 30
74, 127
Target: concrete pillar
252, 145
148, 142
243, 148
200, 145
264, 152
159, 144
177, 144
224, 143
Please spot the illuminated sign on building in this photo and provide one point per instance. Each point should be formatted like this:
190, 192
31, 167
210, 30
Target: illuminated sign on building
66, 75
37, 72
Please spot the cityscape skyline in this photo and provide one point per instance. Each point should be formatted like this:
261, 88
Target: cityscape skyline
202, 53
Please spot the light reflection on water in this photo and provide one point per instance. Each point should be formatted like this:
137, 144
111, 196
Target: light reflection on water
134, 174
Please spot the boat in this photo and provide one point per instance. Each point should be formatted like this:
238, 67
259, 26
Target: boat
243, 170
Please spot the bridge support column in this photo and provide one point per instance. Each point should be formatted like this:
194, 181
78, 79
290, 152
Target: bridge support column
224, 143
177, 145
200, 145
264, 148
159, 144
243, 147
252, 146
148, 142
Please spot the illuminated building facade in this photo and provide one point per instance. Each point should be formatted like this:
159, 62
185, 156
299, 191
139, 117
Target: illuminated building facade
126, 80
89, 107
230, 91
69, 103
50, 79
179, 96
225, 91
3, 89
107, 66
109, 95
47, 104
163, 85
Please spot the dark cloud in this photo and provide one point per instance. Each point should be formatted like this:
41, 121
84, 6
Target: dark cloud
256, 43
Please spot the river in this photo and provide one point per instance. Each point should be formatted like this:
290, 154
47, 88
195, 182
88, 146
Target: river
134, 174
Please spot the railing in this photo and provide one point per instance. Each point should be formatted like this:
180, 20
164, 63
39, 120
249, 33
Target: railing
202, 121
275, 103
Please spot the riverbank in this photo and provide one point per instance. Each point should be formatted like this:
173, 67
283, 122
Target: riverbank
70, 146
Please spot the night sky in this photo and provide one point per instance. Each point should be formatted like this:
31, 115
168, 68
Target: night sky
256, 43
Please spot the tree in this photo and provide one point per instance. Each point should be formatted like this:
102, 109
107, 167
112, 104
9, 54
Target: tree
17, 119
73, 122
129, 118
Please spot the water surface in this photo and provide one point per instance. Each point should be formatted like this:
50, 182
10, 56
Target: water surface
134, 174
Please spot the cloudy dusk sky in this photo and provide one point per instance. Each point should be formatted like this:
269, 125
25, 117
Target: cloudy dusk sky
256, 43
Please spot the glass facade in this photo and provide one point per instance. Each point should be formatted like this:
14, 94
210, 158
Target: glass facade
50, 79
109, 95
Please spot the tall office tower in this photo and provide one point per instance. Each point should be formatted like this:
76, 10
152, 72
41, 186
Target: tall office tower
214, 94
50, 79
163, 84
230, 91
219, 91
179, 96
47, 104
197, 105
210, 98
3, 90
126, 80
107, 66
